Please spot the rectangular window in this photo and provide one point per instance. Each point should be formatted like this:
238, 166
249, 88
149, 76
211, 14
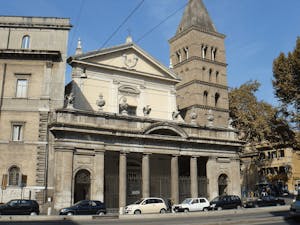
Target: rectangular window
282, 153
17, 132
22, 85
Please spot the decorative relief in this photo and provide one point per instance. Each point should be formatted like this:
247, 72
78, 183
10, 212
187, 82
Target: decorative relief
210, 118
130, 61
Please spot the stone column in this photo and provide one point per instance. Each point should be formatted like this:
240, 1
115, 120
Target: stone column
194, 177
211, 173
146, 176
174, 179
63, 193
122, 181
98, 181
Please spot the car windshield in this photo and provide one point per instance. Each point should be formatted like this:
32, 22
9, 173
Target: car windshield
138, 201
186, 201
216, 199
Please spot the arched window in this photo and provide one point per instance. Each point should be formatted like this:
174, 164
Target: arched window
217, 97
205, 97
14, 176
179, 58
217, 76
209, 75
186, 52
204, 50
25, 42
213, 54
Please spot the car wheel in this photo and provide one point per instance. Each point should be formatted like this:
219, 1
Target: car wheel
238, 207
256, 206
186, 210
176, 210
205, 209
162, 211
278, 204
101, 213
33, 214
70, 213
137, 212
219, 208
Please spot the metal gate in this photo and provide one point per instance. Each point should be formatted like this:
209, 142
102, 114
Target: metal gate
184, 188
160, 186
202, 187
111, 191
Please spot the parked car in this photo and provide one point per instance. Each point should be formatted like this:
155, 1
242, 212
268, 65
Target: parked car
20, 207
147, 205
192, 204
85, 207
264, 201
226, 202
295, 208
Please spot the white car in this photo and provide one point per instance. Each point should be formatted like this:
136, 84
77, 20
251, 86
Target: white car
192, 204
147, 205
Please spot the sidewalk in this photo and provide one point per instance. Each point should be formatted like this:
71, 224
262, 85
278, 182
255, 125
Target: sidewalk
144, 216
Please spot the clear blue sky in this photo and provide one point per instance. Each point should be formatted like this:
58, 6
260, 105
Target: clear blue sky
257, 30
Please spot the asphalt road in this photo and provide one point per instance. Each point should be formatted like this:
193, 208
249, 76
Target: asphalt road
232, 218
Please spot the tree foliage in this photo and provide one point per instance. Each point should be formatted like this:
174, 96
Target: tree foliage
256, 120
286, 82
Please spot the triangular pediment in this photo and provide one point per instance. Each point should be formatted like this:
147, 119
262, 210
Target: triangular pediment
128, 57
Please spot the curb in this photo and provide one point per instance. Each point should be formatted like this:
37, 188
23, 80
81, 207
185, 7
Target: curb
146, 216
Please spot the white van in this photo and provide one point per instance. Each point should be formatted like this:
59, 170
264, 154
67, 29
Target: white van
147, 205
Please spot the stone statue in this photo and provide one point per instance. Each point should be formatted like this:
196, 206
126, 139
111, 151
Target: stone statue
124, 106
175, 114
146, 110
193, 117
70, 100
100, 102
210, 118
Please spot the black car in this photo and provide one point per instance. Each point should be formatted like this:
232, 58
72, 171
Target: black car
85, 207
20, 207
264, 201
226, 202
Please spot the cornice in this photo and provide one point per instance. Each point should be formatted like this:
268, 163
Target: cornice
202, 82
192, 58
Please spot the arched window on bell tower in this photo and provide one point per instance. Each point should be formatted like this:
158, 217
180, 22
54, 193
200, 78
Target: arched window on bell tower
203, 51
209, 75
179, 58
186, 52
205, 97
217, 76
217, 97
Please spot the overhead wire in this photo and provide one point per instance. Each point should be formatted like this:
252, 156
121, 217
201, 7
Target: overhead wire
159, 24
122, 24
77, 21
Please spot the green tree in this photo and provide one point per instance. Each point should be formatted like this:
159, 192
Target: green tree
286, 82
256, 120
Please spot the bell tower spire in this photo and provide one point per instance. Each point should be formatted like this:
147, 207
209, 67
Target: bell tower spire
197, 53
196, 15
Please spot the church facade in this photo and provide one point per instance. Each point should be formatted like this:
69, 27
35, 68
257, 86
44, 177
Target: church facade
129, 127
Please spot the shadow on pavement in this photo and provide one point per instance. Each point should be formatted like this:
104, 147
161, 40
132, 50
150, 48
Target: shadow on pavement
287, 219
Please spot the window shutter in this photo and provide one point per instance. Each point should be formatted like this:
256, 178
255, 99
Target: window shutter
4, 181
24, 180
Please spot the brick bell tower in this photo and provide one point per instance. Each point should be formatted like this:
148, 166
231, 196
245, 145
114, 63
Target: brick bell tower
198, 57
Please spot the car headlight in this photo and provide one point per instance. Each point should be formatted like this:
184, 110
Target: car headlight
63, 210
213, 205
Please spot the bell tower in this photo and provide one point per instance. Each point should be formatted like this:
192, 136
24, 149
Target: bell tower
198, 57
